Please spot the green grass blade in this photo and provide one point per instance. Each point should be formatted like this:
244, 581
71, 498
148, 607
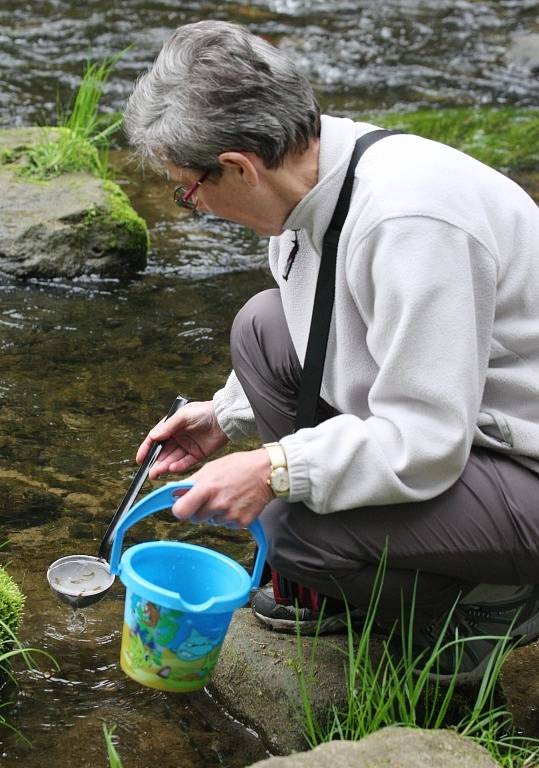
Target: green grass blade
112, 753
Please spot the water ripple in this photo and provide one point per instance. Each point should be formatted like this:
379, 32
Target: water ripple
42, 48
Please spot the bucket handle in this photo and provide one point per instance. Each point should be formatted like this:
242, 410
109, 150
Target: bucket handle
164, 498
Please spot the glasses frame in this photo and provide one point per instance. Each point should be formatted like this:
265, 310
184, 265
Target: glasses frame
187, 197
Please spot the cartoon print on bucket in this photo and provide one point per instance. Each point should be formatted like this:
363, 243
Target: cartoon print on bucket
179, 601
169, 649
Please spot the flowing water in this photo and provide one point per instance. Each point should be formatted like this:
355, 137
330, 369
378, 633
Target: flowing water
89, 365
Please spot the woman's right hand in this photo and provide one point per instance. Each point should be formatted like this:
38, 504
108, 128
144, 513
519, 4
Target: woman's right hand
189, 436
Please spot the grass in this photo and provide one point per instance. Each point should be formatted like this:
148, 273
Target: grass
7, 656
506, 138
85, 134
11, 609
113, 756
395, 690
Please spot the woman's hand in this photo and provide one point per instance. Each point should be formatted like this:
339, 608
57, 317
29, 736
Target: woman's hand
232, 489
190, 435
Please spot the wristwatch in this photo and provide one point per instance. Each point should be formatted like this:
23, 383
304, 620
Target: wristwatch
278, 478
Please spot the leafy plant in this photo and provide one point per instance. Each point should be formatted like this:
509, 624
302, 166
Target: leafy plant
84, 135
397, 689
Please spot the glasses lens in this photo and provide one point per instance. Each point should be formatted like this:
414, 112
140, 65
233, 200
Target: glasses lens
179, 194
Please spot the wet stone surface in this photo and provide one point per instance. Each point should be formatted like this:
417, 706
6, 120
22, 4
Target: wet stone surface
66, 226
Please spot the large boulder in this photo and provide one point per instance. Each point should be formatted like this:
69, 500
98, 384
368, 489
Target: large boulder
255, 679
74, 224
391, 748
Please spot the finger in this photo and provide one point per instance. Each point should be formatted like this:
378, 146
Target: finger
143, 449
190, 503
167, 427
157, 469
204, 516
169, 454
183, 464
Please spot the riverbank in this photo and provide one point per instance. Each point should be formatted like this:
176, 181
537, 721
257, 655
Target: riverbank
256, 680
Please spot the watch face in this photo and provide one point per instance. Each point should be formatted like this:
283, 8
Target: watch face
279, 480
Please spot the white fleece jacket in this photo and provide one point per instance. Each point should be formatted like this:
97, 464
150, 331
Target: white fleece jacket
434, 341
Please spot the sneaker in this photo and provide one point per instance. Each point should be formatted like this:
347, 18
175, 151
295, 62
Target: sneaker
285, 618
481, 626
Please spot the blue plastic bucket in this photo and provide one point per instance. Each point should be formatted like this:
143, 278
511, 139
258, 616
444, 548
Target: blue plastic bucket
179, 601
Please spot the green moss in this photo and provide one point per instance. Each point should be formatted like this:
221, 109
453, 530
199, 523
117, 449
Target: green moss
505, 138
121, 210
7, 156
11, 609
125, 227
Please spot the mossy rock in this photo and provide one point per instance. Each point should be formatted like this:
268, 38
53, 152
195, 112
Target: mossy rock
506, 138
71, 225
11, 609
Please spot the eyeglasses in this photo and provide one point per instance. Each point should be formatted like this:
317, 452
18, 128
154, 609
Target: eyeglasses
186, 197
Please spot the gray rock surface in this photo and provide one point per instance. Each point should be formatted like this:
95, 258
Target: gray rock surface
71, 225
256, 681
520, 684
391, 748
524, 51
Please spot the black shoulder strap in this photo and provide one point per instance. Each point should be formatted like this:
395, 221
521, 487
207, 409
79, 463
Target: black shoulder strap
324, 297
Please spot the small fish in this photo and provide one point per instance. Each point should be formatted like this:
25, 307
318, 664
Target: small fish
164, 672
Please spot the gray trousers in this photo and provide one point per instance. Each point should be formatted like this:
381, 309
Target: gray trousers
484, 529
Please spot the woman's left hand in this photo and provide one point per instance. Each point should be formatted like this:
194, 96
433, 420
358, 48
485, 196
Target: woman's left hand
232, 489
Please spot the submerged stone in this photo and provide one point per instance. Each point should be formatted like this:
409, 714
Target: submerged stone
71, 225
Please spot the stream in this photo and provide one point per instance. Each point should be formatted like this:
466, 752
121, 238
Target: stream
89, 365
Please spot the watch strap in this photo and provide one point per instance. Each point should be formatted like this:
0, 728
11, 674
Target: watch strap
277, 455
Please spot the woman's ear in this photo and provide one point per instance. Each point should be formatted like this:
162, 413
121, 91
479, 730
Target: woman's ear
244, 164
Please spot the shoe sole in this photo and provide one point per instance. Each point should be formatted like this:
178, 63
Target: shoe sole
331, 626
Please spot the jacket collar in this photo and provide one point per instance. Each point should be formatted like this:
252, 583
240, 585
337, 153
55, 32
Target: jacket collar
313, 213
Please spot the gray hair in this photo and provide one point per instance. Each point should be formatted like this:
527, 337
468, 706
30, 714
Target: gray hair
215, 87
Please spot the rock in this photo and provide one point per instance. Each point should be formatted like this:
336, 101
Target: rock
74, 224
27, 506
520, 684
524, 52
391, 748
87, 502
256, 681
